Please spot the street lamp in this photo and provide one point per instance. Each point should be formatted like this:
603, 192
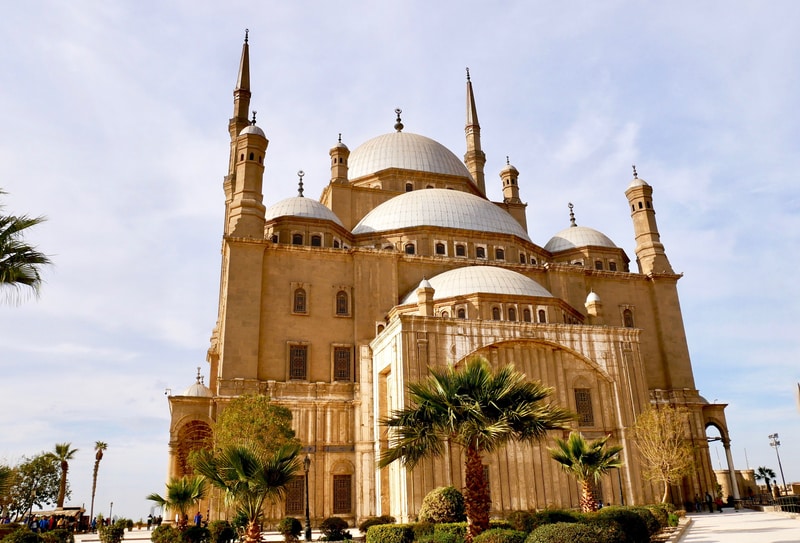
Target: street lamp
773, 442
306, 466
110, 510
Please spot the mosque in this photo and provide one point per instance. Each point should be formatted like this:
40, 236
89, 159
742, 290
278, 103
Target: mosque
332, 306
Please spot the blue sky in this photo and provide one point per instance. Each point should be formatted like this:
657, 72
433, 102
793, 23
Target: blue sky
114, 125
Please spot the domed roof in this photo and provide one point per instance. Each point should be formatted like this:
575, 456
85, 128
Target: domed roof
593, 298
198, 389
252, 129
299, 206
481, 279
406, 151
440, 207
578, 236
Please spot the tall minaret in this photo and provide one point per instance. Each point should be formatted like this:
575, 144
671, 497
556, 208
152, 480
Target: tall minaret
650, 254
474, 157
339, 155
509, 175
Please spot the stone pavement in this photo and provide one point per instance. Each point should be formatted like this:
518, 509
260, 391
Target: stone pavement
744, 526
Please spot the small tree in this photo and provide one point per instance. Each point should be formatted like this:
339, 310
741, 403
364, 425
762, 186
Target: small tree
290, 528
587, 462
99, 447
442, 504
765, 474
182, 496
254, 419
63, 453
666, 455
36, 483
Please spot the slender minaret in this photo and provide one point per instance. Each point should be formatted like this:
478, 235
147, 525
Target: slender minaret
246, 210
474, 158
650, 254
339, 155
241, 101
509, 176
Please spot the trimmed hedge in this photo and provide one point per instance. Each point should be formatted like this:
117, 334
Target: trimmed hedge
634, 525
456, 529
607, 530
390, 533
563, 532
501, 535
653, 526
23, 534
375, 521
221, 531
442, 504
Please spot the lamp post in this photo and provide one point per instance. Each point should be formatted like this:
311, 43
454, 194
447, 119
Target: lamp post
621, 493
110, 510
306, 466
773, 442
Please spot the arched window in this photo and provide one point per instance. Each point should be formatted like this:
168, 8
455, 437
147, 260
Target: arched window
533, 261
583, 406
598, 264
462, 313
252, 156
194, 436
297, 239
612, 266
526, 315
440, 248
299, 301
445, 315
381, 328
512, 314
274, 238
410, 249
342, 303
461, 250
627, 318
542, 316
336, 244
522, 258
495, 313
499, 254
409, 187
480, 252
316, 241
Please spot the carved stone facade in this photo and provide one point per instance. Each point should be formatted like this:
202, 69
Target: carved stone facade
332, 307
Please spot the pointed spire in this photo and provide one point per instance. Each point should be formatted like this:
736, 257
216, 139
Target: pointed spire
253, 121
475, 158
472, 110
243, 81
398, 125
300, 175
571, 215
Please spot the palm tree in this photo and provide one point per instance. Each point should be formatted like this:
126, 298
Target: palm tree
19, 262
99, 447
63, 454
182, 496
587, 462
765, 474
478, 409
249, 476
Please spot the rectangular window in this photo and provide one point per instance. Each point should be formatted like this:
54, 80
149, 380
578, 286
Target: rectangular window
583, 406
298, 362
341, 364
342, 494
296, 495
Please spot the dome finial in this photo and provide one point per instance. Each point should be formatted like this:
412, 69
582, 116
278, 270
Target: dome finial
635, 175
468, 73
508, 163
340, 137
399, 124
246, 33
253, 122
199, 377
571, 215
300, 174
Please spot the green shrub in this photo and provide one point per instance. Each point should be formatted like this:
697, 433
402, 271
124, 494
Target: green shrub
672, 520
290, 528
165, 534
390, 533
442, 504
334, 529
552, 516
59, 535
653, 526
23, 535
375, 521
521, 520
422, 529
449, 532
501, 535
129, 524
563, 532
660, 513
221, 531
607, 530
196, 534
113, 533
499, 523
634, 525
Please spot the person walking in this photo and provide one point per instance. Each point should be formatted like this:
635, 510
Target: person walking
710, 502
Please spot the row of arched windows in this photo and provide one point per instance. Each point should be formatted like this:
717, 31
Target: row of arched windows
511, 314
341, 303
315, 240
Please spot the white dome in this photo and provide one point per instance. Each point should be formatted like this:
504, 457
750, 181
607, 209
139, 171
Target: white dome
637, 182
577, 236
198, 390
405, 151
299, 206
593, 298
440, 207
252, 129
481, 279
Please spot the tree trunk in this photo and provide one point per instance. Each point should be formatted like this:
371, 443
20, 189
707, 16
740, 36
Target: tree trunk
253, 533
588, 503
666, 492
62, 485
476, 494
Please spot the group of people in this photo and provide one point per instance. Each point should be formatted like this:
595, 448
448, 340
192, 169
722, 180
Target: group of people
153, 522
710, 503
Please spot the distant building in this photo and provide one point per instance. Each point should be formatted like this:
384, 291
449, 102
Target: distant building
333, 306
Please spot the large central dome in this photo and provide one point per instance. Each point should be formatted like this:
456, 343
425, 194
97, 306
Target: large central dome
480, 280
443, 208
405, 151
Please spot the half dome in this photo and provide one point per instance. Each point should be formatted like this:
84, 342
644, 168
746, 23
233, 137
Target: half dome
299, 206
198, 390
481, 279
405, 151
578, 236
443, 208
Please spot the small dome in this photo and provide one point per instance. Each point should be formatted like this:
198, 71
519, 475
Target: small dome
440, 207
592, 298
508, 168
299, 206
481, 279
424, 284
638, 182
578, 236
198, 390
405, 151
252, 129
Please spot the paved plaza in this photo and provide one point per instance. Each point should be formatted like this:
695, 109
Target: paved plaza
743, 526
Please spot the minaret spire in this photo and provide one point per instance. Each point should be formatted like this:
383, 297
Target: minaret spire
474, 158
650, 253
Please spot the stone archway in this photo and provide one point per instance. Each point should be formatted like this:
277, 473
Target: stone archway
716, 421
192, 436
